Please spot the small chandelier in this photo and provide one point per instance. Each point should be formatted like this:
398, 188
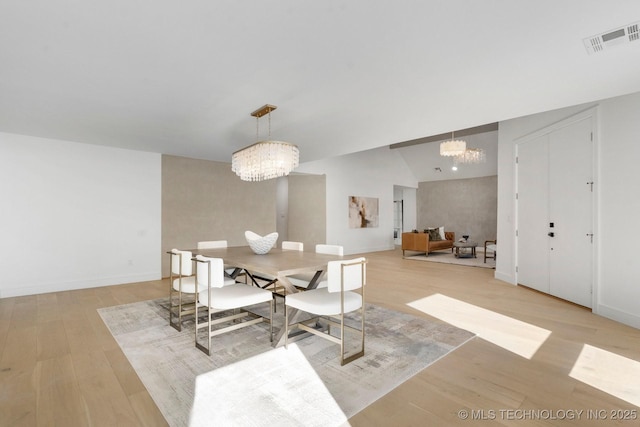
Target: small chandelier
453, 147
471, 156
265, 159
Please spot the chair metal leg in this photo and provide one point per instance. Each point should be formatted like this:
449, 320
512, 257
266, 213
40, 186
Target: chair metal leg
286, 326
271, 321
343, 360
175, 307
207, 349
178, 312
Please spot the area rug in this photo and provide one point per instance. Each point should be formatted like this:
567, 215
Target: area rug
449, 258
247, 382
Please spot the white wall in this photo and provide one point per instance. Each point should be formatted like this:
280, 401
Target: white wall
76, 215
371, 173
617, 191
463, 206
619, 209
282, 208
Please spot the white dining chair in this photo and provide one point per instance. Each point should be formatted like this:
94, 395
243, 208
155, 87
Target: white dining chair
212, 244
218, 297
182, 287
344, 294
292, 246
330, 249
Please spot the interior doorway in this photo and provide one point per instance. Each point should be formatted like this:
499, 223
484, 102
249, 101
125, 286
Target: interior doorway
397, 222
404, 211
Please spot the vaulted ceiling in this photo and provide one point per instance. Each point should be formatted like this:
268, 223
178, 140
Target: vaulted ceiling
182, 77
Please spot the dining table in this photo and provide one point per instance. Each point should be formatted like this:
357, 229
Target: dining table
277, 263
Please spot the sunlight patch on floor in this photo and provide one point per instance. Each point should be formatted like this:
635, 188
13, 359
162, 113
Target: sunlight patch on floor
514, 335
278, 387
614, 374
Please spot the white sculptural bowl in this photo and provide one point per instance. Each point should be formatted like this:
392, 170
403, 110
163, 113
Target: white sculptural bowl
260, 244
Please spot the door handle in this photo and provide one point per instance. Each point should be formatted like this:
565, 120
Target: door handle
551, 234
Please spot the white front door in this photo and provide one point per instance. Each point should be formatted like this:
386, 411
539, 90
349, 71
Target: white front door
555, 217
570, 210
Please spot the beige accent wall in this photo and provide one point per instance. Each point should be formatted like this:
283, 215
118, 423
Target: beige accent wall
464, 206
205, 200
307, 210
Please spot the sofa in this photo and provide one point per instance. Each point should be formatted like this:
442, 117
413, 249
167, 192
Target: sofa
420, 242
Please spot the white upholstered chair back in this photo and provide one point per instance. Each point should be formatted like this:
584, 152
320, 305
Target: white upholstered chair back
354, 274
213, 265
181, 263
292, 246
212, 244
330, 249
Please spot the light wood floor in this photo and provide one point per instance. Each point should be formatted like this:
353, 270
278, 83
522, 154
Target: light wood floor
59, 364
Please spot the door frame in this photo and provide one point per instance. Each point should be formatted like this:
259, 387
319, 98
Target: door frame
593, 114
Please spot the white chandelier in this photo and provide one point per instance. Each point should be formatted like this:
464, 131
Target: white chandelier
265, 159
453, 147
471, 156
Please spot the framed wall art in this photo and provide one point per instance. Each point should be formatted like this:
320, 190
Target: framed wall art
363, 212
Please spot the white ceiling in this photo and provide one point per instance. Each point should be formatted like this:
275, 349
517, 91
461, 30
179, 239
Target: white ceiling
181, 77
426, 164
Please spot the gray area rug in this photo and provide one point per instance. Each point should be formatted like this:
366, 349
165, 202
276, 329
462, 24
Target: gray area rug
447, 257
247, 382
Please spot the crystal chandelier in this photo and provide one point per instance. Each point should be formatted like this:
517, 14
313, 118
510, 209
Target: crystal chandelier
471, 156
453, 147
265, 159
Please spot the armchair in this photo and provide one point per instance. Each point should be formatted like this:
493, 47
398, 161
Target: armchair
490, 245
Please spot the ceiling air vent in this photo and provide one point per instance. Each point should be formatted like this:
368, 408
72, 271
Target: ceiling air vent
604, 41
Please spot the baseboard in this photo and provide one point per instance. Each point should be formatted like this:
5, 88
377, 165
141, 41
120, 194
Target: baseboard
618, 315
505, 277
44, 288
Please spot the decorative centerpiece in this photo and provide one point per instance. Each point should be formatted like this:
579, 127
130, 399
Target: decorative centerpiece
260, 244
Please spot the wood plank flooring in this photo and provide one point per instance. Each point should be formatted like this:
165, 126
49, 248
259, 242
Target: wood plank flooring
59, 365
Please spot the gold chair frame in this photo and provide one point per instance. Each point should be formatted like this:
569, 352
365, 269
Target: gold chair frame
181, 308
311, 325
254, 318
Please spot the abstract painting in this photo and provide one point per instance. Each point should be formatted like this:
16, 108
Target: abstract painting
363, 212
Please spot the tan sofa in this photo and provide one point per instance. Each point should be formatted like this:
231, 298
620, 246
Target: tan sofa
420, 242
